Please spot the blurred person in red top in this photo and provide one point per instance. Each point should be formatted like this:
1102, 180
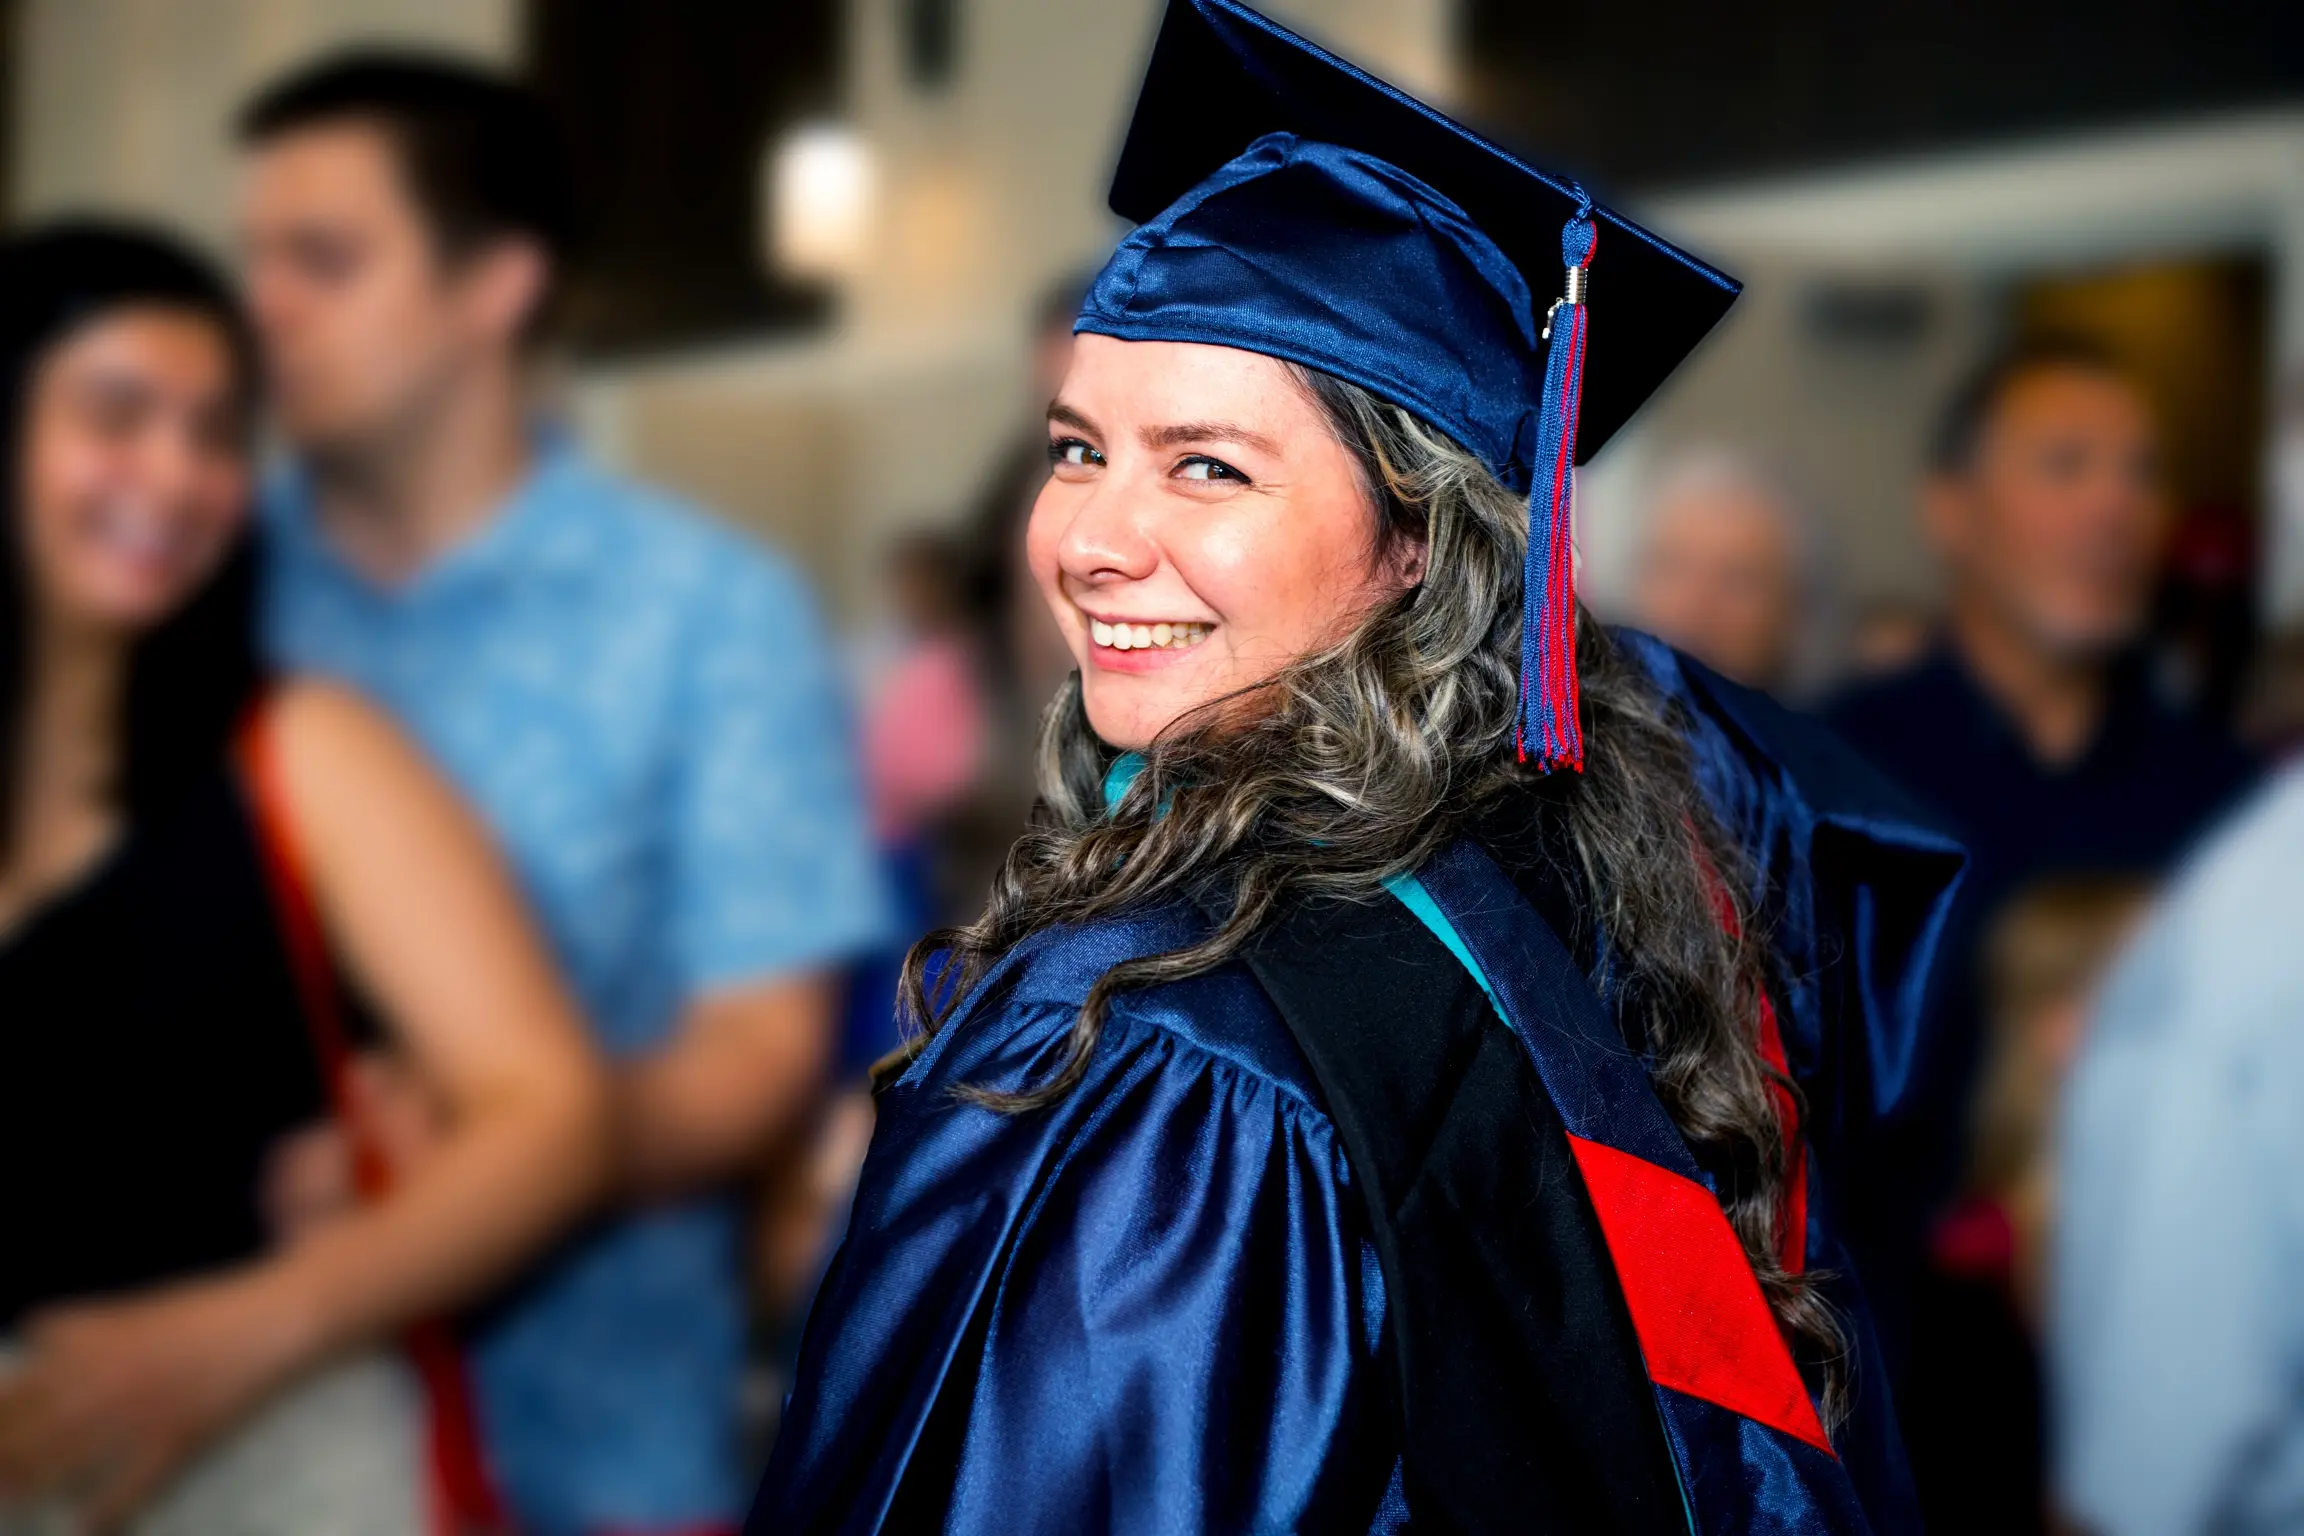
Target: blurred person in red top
926, 741
924, 728
926, 744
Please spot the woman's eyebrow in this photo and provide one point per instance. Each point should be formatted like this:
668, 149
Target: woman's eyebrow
1065, 416
1208, 432
113, 383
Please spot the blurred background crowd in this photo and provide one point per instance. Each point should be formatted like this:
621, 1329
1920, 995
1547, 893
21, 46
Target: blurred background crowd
640, 405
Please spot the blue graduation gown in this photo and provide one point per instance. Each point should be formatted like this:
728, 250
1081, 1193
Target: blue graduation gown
1156, 1305
1150, 1307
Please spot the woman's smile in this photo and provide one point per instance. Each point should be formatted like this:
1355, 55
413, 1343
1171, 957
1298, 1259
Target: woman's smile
1141, 645
134, 477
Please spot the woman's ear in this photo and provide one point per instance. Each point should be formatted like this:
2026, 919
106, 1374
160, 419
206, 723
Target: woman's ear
1407, 562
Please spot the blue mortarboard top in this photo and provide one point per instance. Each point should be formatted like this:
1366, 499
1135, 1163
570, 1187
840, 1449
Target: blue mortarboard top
1293, 205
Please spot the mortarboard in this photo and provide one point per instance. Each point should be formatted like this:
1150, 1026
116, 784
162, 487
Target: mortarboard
1292, 204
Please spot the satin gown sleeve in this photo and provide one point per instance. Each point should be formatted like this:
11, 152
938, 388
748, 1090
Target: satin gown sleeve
1855, 884
1148, 1308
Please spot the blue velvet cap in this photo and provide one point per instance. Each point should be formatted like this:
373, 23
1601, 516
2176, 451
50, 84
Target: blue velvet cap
1328, 257
1377, 240
1292, 205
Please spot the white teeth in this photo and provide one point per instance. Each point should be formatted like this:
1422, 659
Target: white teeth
1168, 635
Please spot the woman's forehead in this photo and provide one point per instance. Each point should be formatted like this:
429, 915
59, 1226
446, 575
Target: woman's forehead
144, 336
1151, 382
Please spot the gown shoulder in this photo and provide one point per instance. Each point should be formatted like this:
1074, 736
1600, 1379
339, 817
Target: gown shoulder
1154, 1300
1020, 1015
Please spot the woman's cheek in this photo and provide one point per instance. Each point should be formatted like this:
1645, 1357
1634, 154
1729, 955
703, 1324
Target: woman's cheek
1230, 570
1281, 601
230, 517
1042, 533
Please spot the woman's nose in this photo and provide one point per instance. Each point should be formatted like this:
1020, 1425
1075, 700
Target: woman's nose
170, 460
1106, 541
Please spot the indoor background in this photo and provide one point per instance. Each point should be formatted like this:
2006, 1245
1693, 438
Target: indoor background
819, 230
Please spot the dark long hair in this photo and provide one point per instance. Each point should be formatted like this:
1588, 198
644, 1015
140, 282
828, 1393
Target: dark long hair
1363, 761
190, 678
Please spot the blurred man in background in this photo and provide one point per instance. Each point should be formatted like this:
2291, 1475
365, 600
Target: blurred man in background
639, 703
2177, 1337
1724, 570
2030, 726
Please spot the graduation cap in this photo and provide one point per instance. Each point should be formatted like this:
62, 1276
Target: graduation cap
1292, 204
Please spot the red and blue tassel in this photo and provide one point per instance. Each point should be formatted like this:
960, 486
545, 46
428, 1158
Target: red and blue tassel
1549, 730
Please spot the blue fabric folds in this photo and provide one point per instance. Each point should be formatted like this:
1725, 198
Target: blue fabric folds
1335, 259
1853, 883
1156, 1306
1150, 1308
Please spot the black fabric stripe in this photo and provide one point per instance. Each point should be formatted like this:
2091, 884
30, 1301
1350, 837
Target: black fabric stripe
1523, 1402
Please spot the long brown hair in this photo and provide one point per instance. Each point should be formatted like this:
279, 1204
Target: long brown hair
1362, 761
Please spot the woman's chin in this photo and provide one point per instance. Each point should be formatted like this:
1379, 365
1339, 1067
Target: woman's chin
1126, 714
125, 605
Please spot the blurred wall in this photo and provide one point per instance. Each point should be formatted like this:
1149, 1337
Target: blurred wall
1957, 234
1837, 414
125, 105
992, 188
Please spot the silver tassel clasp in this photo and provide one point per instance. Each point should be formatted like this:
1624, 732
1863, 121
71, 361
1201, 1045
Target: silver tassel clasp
1579, 283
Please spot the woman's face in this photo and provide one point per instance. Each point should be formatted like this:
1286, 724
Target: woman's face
1201, 528
134, 467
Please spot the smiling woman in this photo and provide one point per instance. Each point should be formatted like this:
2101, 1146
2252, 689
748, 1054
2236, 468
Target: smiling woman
1365, 1100
1201, 527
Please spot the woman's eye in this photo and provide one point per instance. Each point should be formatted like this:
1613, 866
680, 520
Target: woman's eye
1070, 450
1201, 467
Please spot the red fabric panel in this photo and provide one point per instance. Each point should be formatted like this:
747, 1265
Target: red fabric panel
1792, 1241
1794, 1238
1704, 1326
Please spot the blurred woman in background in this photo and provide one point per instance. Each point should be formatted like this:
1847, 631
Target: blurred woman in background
168, 819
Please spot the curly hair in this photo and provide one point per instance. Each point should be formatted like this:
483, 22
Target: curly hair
1360, 762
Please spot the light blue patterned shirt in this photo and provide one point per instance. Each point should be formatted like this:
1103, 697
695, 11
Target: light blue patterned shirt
643, 707
2178, 1319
